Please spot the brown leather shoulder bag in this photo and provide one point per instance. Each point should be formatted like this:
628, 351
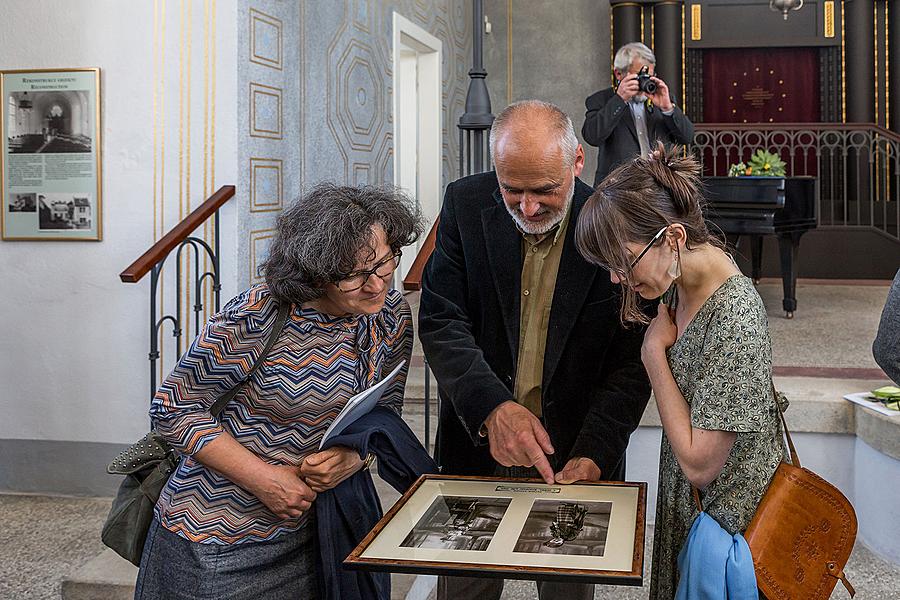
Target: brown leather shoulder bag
802, 533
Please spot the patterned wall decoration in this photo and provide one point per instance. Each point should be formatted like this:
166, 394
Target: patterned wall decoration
347, 79
265, 111
268, 65
336, 95
266, 185
266, 39
259, 249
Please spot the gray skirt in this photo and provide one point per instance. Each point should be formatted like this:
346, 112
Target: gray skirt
173, 568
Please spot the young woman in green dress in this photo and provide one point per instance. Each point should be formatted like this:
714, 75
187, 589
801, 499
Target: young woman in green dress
706, 349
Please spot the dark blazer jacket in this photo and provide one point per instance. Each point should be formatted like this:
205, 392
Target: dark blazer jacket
608, 124
595, 388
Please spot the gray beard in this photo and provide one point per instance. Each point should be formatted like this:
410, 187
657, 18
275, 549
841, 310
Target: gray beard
541, 228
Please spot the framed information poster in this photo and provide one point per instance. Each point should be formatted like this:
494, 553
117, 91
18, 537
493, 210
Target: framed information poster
512, 528
50, 168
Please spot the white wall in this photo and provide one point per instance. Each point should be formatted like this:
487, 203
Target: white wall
831, 456
75, 339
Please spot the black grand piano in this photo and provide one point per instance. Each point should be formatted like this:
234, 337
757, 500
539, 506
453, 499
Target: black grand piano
758, 206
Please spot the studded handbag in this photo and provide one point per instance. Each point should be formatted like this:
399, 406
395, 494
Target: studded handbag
147, 466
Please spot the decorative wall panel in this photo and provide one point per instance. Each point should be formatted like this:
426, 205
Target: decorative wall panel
266, 39
347, 84
269, 128
259, 250
266, 185
265, 111
335, 93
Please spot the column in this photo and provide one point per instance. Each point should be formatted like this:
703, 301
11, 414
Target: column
667, 44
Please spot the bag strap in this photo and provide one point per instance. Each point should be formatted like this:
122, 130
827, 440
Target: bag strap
795, 460
284, 311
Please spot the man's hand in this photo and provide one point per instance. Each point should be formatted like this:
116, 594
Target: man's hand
283, 492
579, 469
517, 438
628, 87
661, 99
327, 469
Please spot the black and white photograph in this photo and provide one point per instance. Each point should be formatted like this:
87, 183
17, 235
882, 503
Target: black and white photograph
23, 203
565, 527
517, 528
53, 122
64, 211
458, 523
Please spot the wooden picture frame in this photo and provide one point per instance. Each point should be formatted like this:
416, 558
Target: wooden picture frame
588, 532
50, 163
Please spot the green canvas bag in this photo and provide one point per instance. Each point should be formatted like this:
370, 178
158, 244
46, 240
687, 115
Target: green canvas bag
147, 466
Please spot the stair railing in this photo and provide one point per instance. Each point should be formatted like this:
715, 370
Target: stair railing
153, 260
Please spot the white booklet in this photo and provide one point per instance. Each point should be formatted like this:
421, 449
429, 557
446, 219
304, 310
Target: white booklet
865, 399
359, 405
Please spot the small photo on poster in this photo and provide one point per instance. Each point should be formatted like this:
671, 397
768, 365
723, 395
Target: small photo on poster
54, 122
565, 527
64, 211
458, 523
23, 203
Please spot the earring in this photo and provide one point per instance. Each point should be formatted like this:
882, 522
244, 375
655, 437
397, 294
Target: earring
675, 268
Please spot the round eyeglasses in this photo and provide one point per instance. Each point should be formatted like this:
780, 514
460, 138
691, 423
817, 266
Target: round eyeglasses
355, 280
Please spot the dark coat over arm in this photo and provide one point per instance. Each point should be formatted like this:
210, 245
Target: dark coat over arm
595, 388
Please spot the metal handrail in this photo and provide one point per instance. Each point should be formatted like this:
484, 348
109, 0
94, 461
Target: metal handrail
152, 261
857, 165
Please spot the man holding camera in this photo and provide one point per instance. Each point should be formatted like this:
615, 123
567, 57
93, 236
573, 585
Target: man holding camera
627, 120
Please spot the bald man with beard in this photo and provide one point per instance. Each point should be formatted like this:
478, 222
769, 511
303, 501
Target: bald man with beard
537, 375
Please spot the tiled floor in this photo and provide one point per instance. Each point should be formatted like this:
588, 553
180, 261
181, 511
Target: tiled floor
44, 539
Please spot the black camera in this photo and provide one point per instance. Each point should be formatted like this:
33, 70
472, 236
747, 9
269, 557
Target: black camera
645, 84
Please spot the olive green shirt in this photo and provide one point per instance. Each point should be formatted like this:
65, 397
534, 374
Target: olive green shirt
540, 265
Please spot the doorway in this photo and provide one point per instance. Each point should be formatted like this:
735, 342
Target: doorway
417, 123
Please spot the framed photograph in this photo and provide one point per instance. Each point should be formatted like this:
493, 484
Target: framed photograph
512, 528
50, 167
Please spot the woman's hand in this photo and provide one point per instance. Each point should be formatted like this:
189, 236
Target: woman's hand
660, 336
283, 491
326, 469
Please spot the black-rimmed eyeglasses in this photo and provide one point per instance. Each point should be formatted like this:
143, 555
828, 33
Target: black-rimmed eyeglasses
655, 239
355, 280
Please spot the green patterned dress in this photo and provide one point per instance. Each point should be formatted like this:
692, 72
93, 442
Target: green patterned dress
722, 365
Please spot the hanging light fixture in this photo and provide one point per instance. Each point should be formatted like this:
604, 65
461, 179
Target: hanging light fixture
784, 6
25, 103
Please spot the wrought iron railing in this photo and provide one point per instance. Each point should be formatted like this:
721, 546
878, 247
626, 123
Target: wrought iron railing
857, 165
202, 279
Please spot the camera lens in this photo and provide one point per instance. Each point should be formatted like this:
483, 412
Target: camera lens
648, 86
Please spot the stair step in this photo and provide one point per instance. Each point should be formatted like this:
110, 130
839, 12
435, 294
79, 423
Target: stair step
105, 577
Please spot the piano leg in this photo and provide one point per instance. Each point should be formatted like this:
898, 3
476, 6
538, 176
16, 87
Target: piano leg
756, 246
788, 247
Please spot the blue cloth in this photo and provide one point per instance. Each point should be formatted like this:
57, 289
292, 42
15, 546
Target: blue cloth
347, 513
715, 564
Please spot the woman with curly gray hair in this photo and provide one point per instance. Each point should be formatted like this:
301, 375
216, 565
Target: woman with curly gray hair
234, 518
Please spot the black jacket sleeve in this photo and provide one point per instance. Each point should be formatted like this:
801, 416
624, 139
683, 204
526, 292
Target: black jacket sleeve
446, 331
602, 116
680, 128
617, 404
